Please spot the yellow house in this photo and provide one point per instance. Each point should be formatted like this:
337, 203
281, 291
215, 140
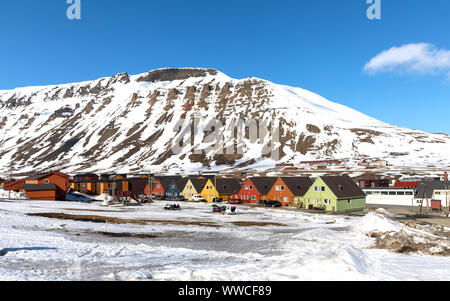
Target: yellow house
226, 189
193, 187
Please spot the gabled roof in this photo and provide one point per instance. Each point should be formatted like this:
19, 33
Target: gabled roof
86, 175
227, 185
263, 184
36, 187
179, 182
298, 185
425, 189
343, 186
199, 184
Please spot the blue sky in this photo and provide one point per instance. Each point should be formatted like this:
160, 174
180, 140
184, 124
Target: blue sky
319, 45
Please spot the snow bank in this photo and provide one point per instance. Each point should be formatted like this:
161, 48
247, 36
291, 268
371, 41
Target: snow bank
374, 222
77, 197
14, 195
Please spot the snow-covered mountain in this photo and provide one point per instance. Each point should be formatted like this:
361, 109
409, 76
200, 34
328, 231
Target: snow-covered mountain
129, 123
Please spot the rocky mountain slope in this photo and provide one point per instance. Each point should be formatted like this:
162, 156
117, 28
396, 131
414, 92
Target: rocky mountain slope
131, 123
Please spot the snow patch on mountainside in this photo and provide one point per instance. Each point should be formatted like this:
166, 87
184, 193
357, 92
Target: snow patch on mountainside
128, 123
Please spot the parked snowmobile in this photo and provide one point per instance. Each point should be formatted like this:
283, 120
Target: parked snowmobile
172, 207
219, 209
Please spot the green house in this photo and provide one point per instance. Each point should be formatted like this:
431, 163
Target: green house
338, 194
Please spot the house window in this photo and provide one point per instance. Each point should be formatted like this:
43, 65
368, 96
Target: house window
316, 188
47, 181
254, 197
323, 188
251, 187
349, 201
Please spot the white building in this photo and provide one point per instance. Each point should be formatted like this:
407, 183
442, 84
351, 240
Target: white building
391, 196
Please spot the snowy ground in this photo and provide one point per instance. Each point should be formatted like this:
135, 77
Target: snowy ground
307, 247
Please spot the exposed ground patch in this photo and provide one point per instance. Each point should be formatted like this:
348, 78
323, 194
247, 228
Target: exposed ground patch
403, 243
95, 210
257, 224
116, 220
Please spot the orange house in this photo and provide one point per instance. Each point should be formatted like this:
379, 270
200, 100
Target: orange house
286, 188
47, 186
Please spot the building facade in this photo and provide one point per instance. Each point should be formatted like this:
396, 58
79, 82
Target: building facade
338, 194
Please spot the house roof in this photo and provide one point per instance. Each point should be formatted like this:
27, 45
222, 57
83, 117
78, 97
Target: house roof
199, 184
298, 185
425, 189
227, 185
263, 184
36, 187
343, 186
179, 182
86, 175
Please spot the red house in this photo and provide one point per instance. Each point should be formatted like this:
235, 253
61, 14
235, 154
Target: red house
158, 189
255, 190
49, 186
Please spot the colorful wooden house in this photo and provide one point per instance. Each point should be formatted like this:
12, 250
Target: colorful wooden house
285, 189
193, 187
13, 184
172, 185
173, 189
85, 183
41, 192
220, 188
255, 190
334, 194
46, 186
158, 189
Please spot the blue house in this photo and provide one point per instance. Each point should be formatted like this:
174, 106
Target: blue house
173, 189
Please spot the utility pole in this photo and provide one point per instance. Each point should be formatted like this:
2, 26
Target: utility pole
150, 186
423, 196
446, 192
10, 181
114, 188
215, 188
149, 190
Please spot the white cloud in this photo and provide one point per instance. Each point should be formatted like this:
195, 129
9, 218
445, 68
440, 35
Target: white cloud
420, 58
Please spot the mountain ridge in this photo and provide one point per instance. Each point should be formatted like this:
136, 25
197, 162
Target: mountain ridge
126, 122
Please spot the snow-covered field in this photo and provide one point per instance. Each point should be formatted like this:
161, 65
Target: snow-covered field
305, 247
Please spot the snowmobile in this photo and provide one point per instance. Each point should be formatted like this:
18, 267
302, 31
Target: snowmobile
172, 207
219, 209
